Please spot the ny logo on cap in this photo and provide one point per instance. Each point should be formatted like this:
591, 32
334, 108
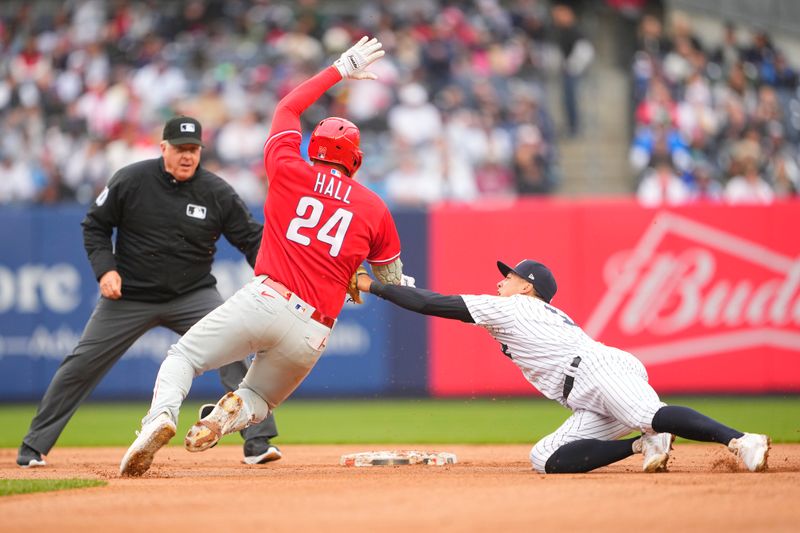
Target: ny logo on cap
187, 127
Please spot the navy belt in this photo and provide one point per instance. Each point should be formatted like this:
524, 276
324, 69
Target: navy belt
569, 381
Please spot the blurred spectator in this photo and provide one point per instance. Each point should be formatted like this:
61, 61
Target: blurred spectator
17, 183
87, 170
748, 188
241, 139
728, 52
704, 184
531, 171
415, 180
415, 121
577, 53
660, 185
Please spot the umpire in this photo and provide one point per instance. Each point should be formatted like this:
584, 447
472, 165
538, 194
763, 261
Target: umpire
168, 213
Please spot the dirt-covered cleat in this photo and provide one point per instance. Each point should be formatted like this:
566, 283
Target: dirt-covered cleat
153, 436
752, 449
205, 410
655, 449
229, 415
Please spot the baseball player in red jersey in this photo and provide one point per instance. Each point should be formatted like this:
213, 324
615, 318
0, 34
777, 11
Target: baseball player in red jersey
320, 226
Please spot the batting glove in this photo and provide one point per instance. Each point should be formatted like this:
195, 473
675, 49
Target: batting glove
408, 281
352, 63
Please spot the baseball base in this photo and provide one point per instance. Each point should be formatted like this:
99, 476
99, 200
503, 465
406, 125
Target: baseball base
398, 457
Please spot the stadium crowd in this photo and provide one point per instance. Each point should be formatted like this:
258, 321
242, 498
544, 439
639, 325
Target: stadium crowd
85, 86
715, 123
458, 113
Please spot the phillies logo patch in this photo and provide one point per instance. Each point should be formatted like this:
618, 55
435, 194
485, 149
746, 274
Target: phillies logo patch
688, 289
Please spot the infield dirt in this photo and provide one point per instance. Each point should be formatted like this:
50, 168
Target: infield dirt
492, 488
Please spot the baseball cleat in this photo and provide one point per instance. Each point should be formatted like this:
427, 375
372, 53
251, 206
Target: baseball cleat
752, 449
27, 457
655, 449
229, 415
153, 436
205, 410
260, 451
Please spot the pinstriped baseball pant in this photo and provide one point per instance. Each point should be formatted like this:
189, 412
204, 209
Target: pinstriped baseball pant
611, 398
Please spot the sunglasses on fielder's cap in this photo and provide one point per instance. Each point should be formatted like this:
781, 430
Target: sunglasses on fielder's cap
183, 130
538, 274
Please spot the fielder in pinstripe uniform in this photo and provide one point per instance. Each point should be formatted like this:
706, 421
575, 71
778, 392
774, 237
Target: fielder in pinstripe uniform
606, 388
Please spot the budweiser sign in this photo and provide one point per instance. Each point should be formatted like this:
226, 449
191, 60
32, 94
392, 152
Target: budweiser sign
688, 289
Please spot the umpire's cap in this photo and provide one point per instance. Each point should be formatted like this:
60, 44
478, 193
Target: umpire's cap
183, 130
537, 273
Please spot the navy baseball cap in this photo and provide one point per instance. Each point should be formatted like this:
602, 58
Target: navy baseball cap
183, 130
538, 274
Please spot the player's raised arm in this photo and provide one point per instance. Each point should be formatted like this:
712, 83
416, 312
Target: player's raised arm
352, 64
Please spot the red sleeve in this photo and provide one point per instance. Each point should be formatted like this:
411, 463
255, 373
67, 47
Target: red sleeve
386, 247
288, 110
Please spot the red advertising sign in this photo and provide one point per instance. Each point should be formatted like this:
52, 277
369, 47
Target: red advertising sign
708, 297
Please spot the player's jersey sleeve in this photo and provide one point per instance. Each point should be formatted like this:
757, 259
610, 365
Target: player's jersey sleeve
283, 143
98, 225
282, 158
495, 313
386, 247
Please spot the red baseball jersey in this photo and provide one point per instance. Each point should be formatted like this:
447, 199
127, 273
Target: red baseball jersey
320, 224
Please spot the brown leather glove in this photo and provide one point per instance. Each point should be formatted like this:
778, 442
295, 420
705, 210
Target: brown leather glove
352, 290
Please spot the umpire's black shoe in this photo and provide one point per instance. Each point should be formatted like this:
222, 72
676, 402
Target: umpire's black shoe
28, 457
259, 451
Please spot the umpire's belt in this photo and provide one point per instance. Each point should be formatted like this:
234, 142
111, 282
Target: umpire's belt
281, 289
569, 381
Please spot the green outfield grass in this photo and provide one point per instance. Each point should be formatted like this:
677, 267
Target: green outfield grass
480, 421
9, 487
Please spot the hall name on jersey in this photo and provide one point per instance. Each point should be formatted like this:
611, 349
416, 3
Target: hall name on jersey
332, 186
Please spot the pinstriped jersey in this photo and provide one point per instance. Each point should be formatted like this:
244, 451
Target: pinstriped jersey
541, 339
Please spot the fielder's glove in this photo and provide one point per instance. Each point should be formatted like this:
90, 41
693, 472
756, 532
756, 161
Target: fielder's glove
352, 63
353, 294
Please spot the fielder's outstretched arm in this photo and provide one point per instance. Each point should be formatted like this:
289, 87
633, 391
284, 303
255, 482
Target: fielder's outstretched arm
423, 301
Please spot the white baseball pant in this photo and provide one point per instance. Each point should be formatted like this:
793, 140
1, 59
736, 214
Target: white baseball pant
286, 341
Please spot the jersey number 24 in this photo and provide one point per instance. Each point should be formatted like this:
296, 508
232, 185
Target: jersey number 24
332, 232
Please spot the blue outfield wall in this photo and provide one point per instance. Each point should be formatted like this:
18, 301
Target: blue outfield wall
48, 291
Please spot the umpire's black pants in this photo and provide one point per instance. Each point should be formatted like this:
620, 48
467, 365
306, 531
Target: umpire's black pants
113, 327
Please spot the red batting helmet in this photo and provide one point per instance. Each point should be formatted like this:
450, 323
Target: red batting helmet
336, 140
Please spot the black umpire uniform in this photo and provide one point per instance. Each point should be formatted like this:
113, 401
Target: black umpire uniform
165, 245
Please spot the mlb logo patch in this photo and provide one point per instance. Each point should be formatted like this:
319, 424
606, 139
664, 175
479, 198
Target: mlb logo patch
187, 127
196, 211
